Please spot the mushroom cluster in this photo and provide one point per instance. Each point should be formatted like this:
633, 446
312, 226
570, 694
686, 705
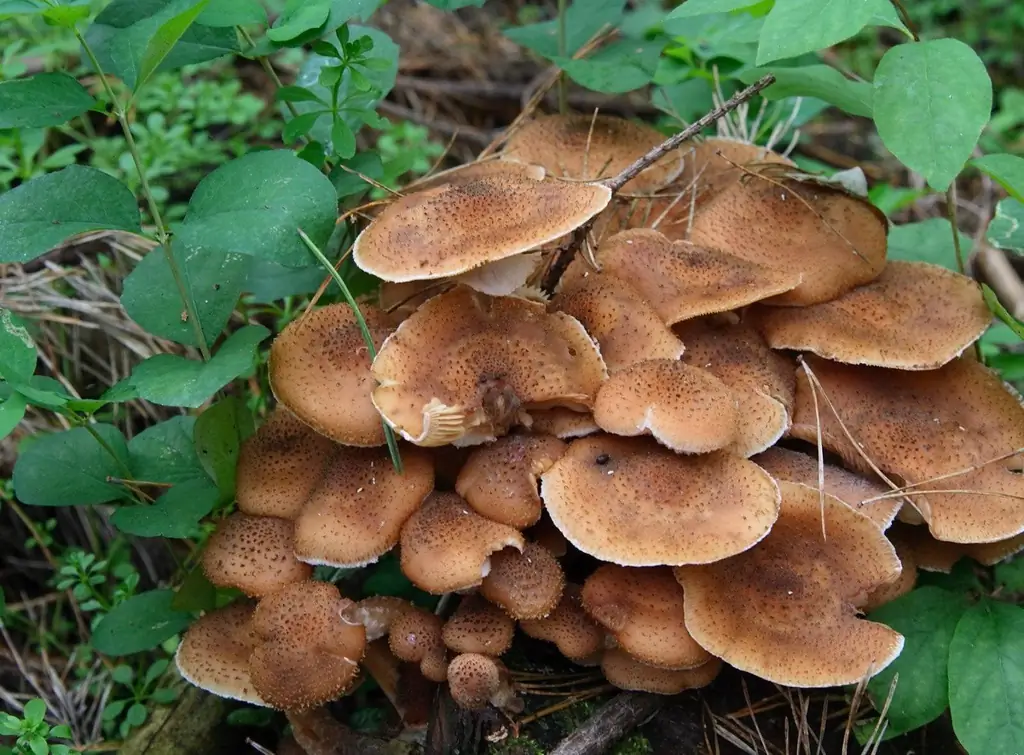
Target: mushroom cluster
693, 452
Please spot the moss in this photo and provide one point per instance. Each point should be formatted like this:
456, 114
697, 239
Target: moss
635, 744
522, 745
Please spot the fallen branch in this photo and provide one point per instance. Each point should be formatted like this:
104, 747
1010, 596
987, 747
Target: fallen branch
610, 723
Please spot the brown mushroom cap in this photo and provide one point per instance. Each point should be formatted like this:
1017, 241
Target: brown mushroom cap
643, 608
256, 554
635, 503
214, 653
462, 368
463, 174
527, 584
478, 680
549, 537
356, 513
763, 381
279, 465
453, 228
626, 672
305, 655
446, 546
717, 162
376, 613
850, 488
837, 241
893, 321
499, 480
934, 555
562, 423
320, 370
625, 326
415, 637
784, 610
577, 636
918, 426
478, 626
904, 584
682, 280
683, 407
593, 147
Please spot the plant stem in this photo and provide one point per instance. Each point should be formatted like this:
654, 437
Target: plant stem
961, 263
161, 230
563, 49
389, 434
905, 18
267, 67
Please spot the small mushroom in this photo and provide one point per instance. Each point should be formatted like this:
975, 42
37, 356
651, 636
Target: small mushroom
576, 635
500, 480
415, 637
549, 537
527, 584
446, 546
214, 653
635, 503
478, 626
255, 554
465, 366
562, 423
319, 358
476, 681
376, 613
626, 672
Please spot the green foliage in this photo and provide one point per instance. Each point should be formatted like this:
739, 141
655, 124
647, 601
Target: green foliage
32, 733
72, 468
46, 99
139, 623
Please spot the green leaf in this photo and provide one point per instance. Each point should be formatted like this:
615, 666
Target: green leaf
929, 240
997, 308
213, 282
347, 184
71, 468
196, 592
45, 211
233, 13
122, 674
165, 452
622, 66
821, 81
796, 27
136, 715
297, 94
121, 34
67, 15
34, 711
1011, 575
932, 99
253, 206
12, 411
692, 8
1006, 170
268, 281
46, 99
140, 623
219, 434
1006, 230
20, 7
17, 349
171, 380
927, 618
986, 676
299, 126
343, 141
176, 513
166, 37
583, 19
455, 4
297, 17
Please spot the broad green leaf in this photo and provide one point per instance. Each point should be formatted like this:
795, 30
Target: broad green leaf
46, 99
692, 8
121, 34
932, 99
255, 204
821, 81
347, 183
71, 468
34, 711
165, 452
796, 27
455, 4
927, 618
1006, 170
986, 676
213, 282
233, 13
297, 17
1011, 574
196, 592
219, 434
12, 411
622, 66
171, 380
891, 199
299, 126
45, 211
176, 513
17, 349
583, 19
929, 240
67, 14
687, 100
1006, 229
267, 281
166, 37
44, 391
20, 7
996, 307
140, 623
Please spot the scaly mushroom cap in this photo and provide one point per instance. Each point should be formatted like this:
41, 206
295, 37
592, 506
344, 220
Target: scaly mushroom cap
214, 653
850, 488
937, 556
762, 380
683, 407
320, 370
626, 672
256, 554
280, 465
918, 426
837, 241
682, 280
635, 503
716, 163
453, 228
478, 627
356, 513
499, 480
527, 584
784, 610
462, 369
305, 655
376, 613
463, 174
415, 637
893, 321
562, 423
907, 579
625, 326
548, 536
577, 636
446, 546
593, 147
476, 680
643, 608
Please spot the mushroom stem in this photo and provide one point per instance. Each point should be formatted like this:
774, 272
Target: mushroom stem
383, 666
566, 253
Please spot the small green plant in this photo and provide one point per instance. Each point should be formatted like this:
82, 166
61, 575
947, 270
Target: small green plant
33, 735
